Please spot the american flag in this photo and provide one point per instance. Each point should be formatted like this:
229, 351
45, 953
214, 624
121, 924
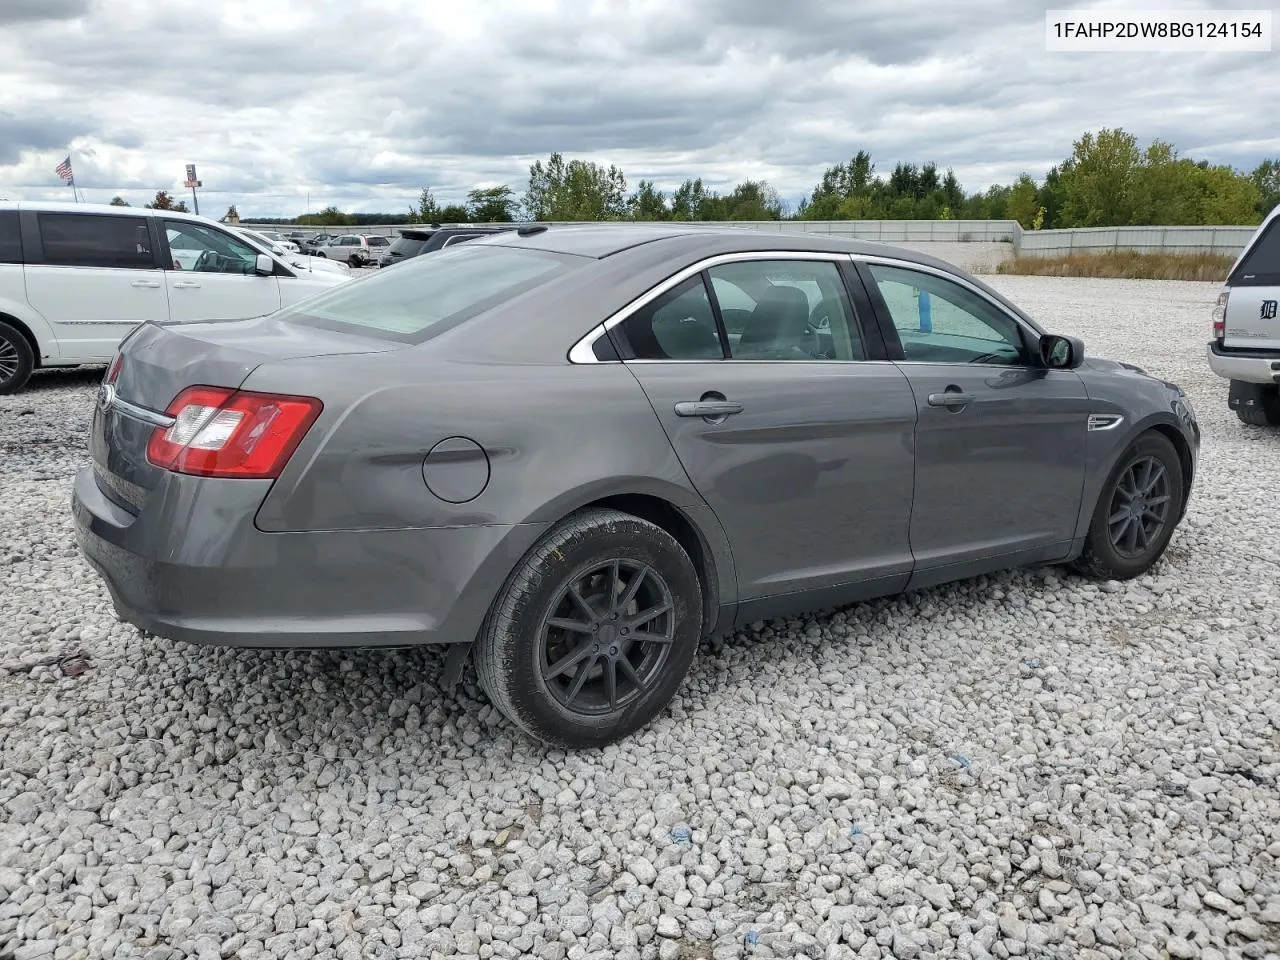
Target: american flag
64, 170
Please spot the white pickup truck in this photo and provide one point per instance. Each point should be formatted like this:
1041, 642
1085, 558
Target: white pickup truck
1245, 348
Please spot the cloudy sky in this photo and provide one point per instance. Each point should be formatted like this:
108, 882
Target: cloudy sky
362, 103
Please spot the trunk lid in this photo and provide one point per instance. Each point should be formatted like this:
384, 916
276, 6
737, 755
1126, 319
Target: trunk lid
159, 360
1252, 320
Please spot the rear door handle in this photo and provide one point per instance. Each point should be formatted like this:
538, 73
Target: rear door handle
152, 284
186, 285
707, 408
950, 399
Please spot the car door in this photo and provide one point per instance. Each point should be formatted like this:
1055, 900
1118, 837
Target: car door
211, 275
1000, 440
93, 277
799, 442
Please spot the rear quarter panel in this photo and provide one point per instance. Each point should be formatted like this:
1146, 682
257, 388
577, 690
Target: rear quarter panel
555, 436
13, 303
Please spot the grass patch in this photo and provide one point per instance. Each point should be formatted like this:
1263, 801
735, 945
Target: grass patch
1124, 265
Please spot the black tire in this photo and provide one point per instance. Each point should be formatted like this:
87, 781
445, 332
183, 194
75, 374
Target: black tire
321, 253
354, 262
1264, 414
1105, 559
16, 359
517, 652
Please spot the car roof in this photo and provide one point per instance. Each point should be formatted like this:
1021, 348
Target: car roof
606, 240
66, 206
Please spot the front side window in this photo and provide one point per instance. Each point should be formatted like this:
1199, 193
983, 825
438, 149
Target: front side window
10, 237
96, 240
939, 321
786, 310
195, 247
678, 325
416, 300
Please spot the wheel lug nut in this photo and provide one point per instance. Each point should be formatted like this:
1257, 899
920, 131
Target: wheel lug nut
614, 651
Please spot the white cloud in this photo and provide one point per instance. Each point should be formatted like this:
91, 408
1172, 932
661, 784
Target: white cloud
362, 105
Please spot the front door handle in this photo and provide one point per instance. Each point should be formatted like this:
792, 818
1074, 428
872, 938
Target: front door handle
186, 285
152, 284
950, 399
707, 408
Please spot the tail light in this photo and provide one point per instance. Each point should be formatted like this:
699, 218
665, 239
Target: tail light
1220, 316
113, 372
219, 432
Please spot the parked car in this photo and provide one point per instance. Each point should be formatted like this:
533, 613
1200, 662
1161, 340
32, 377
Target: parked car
354, 249
291, 255
1245, 348
76, 277
415, 240
313, 243
272, 236
562, 452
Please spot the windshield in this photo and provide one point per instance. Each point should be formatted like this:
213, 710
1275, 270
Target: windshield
408, 246
419, 299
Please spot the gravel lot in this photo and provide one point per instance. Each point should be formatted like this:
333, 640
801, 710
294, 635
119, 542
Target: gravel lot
1022, 765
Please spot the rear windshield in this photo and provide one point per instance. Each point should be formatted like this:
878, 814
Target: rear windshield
408, 246
428, 295
1261, 265
378, 241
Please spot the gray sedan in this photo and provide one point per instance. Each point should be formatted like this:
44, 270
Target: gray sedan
573, 452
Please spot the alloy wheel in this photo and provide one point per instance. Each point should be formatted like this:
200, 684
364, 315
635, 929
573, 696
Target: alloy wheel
607, 636
1139, 507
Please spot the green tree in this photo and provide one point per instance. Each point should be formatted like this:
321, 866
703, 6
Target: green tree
330, 216
576, 190
1226, 197
839, 185
118, 201
162, 202
454, 213
1266, 177
751, 200
491, 205
1023, 205
648, 203
1102, 184
688, 201
428, 211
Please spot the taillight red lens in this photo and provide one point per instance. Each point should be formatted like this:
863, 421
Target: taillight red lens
1220, 315
219, 432
113, 372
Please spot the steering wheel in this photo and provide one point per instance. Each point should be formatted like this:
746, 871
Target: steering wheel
203, 261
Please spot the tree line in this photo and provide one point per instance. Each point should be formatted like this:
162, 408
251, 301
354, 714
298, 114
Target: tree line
1108, 180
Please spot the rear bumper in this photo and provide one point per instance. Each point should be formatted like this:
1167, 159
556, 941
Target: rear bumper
192, 567
1251, 366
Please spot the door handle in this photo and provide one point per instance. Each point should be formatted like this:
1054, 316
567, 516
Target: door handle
152, 284
952, 398
707, 408
186, 285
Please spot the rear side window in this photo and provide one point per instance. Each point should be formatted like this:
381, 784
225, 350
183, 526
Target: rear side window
10, 237
1261, 265
93, 240
417, 300
379, 242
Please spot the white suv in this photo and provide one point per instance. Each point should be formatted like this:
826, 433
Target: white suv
355, 249
75, 278
1245, 348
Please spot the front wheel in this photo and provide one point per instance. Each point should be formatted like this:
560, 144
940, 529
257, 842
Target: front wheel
1136, 512
593, 632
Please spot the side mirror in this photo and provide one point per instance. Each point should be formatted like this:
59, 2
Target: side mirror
1061, 353
264, 266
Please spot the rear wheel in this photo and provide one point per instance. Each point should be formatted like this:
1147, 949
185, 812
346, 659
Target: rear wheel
1136, 513
16, 359
354, 261
594, 631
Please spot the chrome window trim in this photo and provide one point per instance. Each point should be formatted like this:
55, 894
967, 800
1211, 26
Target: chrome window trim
583, 350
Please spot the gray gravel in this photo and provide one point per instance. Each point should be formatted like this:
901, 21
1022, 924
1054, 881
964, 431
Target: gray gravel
1021, 765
